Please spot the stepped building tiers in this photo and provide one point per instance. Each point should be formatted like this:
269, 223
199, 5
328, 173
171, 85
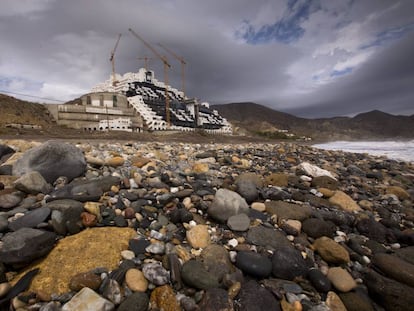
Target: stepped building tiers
137, 102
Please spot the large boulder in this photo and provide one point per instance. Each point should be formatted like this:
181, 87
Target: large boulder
52, 159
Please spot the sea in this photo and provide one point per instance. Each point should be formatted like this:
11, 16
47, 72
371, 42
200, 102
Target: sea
396, 150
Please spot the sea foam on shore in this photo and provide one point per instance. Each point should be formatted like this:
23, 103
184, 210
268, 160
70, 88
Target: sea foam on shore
397, 150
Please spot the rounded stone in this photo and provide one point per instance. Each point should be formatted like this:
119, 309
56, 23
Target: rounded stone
288, 263
86, 279
136, 280
331, 251
156, 273
319, 280
254, 264
198, 236
341, 279
163, 298
135, 302
194, 274
316, 228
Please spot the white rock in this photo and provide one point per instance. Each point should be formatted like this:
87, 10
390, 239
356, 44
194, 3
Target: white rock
86, 299
233, 243
314, 171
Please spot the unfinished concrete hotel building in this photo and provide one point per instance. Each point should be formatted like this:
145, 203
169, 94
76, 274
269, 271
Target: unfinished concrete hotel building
136, 102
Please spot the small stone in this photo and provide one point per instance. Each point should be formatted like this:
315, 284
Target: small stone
88, 220
258, 206
86, 279
127, 254
136, 280
156, 248
135, 302
200, 168
316, 228
319, 280
115, 161
163, 298
331, 251
32, 183
334, 302
288, 263
4, 288
240, 222
156, 273
198, 236
194, 274
216, 299
341, 279
227, 203
344, 202
401, 193
292, 227
31, 219
86, 300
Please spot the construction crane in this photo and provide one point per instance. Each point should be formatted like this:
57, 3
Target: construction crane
112, 60
183, 63
146, 61
166, 67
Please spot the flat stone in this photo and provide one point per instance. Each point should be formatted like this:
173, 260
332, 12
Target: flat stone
341, 279
331, 251
356, 301
313, 170
406, 253
227, 203
239, 222
254, 264
136, 280
216, 260
52, 159
198, 236
57, 269
26, 244
115, 161
66, 215
31, 219
372, 229
344, 202
9, 200
401, 193
395, 268
277, 179
87, 300
334, 302
325, 182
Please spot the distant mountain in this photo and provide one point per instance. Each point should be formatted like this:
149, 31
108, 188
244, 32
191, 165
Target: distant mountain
251, 118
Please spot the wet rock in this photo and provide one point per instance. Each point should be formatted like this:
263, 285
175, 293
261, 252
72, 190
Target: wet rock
406, 253
317, 228
319, 280
392, 295
288, 263
86, 300
31, 219
344, 202
254, 264
163, 298
247, 186
331, 251
252, 296
341, 279
85, 279
25, 245
216, 299
267, 237
240, 222
135, 302
52, 159
156, 273
194, 274
32, 183
395, 268
227, 203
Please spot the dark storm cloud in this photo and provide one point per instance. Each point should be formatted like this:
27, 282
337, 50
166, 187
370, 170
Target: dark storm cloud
383, 83
313, 60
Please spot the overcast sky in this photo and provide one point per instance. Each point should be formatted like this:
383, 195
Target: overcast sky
311, 58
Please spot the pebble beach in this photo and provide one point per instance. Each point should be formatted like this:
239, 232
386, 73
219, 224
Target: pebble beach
184, 226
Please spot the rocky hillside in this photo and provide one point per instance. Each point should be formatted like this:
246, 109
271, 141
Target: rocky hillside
250, 118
